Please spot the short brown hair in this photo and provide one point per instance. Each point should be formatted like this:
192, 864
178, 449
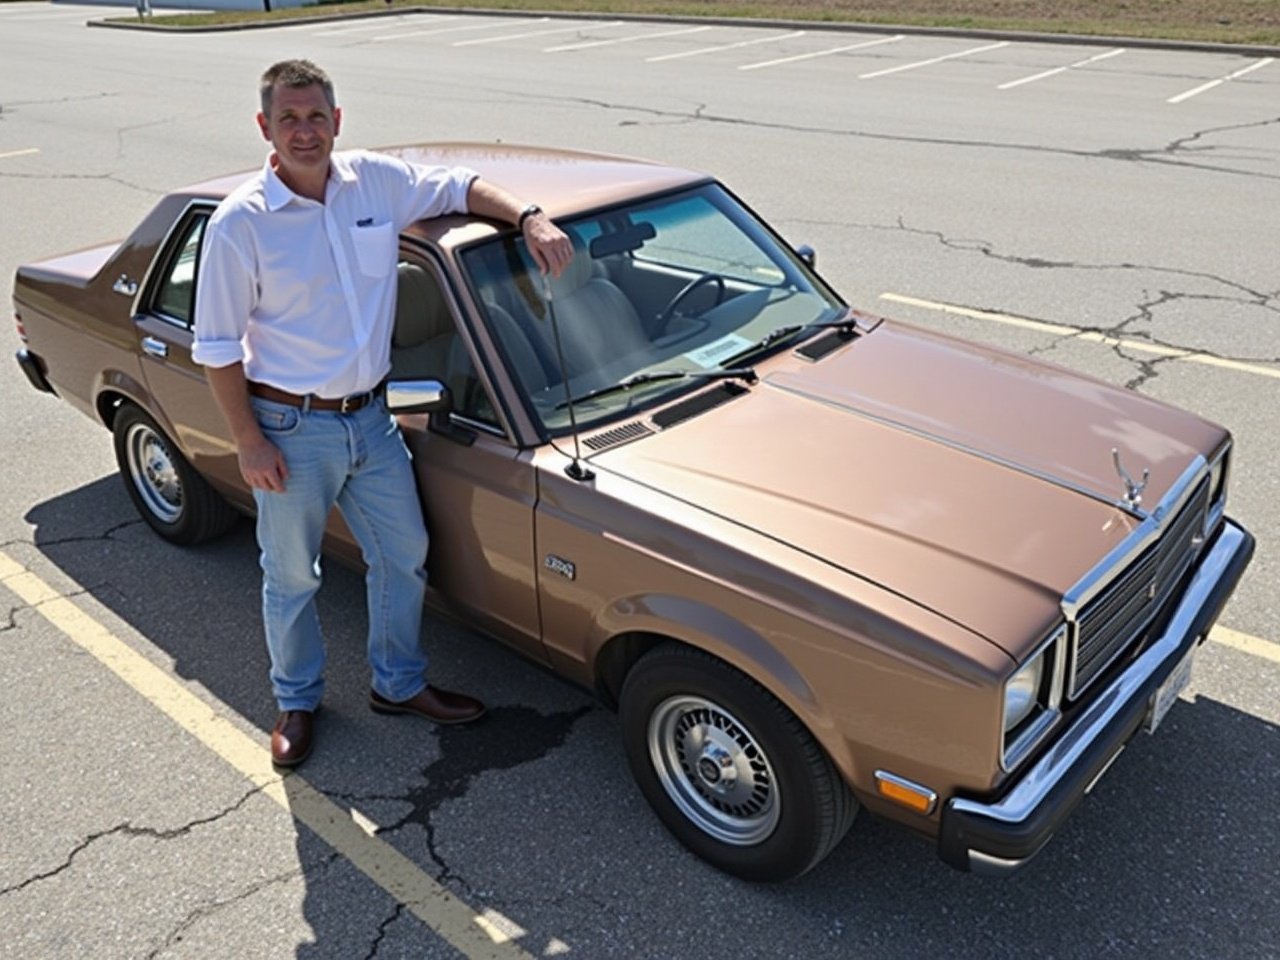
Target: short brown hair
294, 73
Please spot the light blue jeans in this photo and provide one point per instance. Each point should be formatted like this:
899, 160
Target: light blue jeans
358, 461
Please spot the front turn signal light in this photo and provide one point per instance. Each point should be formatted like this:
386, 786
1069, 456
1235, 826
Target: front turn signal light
905, 793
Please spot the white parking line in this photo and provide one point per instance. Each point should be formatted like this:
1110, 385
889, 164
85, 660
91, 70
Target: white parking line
727, 46
1214, 83
1071, 66
933, 60
1089, 336
19, 153
382, 24
823, 53
585, 25
473, 26
639, 36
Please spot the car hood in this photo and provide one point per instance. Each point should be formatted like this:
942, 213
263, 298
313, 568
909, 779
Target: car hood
978, 484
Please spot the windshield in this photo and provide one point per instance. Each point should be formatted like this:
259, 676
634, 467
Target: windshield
680, 283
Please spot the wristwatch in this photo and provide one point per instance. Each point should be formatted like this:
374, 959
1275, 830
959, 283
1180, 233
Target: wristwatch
531, 210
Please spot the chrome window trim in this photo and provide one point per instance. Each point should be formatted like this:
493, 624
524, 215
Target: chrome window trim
145, 291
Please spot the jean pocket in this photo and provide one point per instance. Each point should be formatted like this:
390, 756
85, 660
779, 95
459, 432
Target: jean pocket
276, 419
375, 247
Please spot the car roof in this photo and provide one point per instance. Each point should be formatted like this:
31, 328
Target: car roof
562, 182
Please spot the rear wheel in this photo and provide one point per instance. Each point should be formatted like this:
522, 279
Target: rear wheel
172, 497
728, 768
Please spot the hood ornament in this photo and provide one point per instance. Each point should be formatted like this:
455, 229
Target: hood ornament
1132, 489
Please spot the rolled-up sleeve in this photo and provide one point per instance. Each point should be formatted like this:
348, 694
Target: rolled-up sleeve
226, 294
433, 191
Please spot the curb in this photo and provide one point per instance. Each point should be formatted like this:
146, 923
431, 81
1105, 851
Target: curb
1100, 40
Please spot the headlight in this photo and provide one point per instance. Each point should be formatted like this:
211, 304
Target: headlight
1031, 699
1022, 692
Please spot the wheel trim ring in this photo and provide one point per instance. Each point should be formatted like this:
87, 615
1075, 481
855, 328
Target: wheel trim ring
143, 448
669, 734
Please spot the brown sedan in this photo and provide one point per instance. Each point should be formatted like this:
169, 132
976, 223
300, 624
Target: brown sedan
818, 560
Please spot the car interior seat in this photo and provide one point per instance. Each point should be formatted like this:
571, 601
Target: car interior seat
598, 324
423, 338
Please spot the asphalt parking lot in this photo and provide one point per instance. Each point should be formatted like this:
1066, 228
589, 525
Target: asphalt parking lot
1109, 207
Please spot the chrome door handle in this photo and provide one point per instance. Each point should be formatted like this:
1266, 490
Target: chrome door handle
154, 347
126, 286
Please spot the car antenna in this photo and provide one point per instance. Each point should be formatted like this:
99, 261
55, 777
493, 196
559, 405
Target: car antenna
577, 470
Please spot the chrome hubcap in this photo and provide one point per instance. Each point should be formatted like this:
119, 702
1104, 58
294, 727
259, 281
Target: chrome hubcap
153, 473
713, 770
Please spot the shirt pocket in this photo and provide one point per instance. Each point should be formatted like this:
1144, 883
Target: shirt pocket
375, 247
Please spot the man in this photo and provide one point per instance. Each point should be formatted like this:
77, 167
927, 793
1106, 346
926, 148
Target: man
294, 309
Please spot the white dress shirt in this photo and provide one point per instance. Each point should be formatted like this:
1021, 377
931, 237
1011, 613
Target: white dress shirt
303, 293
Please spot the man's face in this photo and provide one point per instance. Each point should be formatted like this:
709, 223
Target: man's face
302, 128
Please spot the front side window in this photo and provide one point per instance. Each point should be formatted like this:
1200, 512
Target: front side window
684, 282
425, 344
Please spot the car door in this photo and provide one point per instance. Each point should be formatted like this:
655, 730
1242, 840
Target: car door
478, 487
182, 403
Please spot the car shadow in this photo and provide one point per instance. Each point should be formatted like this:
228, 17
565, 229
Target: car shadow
532, 812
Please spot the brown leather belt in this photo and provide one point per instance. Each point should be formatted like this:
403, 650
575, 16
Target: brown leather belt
348, 404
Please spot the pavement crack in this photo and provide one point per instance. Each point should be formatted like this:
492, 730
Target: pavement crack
1175, 153
1262, 298
507, 737
176, 935
382, 931
106, 535
100, 177
129, 830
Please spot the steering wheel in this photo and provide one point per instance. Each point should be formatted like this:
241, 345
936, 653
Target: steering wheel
697, 283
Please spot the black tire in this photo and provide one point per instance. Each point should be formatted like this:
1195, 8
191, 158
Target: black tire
728, 768
172, 497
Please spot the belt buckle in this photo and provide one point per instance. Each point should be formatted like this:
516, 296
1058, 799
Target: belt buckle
352, 402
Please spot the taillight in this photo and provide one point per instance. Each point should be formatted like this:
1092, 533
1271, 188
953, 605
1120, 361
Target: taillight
22, 330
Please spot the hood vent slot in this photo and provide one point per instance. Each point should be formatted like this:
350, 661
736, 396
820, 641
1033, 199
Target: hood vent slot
699, 403
622, 434
817, 349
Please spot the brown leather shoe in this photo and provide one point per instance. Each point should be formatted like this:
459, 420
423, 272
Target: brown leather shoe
292, 737
439, 706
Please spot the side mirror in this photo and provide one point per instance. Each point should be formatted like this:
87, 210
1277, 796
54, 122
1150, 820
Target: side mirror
808, 255
418, 396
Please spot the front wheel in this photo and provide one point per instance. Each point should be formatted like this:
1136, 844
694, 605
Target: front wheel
728, 768
172, 497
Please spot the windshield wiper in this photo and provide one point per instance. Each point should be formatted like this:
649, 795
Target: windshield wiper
654, 376
847, 323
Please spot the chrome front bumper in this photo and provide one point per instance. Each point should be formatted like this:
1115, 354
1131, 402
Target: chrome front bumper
998, 837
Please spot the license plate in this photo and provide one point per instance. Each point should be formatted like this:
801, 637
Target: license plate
1165, 697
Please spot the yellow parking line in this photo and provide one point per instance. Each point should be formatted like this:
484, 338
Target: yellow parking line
1245, 643
19, 153
474, 935
1089, 336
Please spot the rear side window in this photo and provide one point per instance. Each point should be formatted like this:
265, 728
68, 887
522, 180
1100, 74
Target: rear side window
175, 294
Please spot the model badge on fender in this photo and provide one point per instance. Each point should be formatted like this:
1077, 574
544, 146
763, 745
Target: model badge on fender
560, 565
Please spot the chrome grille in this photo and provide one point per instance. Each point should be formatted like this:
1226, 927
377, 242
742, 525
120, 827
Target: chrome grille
1114, 619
